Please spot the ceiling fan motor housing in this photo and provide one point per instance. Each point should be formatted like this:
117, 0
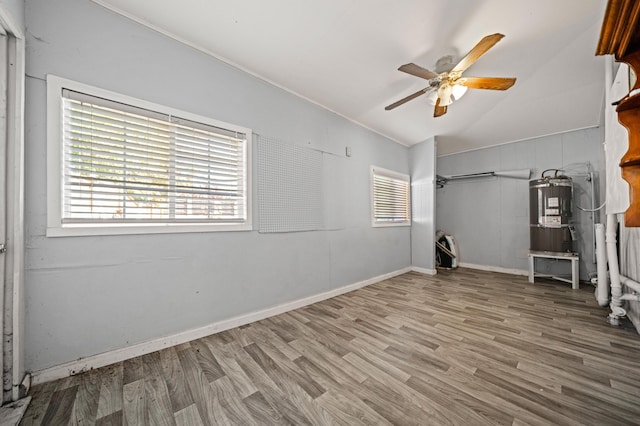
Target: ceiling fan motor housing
445, 64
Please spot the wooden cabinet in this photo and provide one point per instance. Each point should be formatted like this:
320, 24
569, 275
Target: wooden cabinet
620, 36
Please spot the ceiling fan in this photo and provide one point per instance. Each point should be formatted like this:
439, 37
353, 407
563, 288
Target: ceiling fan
449, 84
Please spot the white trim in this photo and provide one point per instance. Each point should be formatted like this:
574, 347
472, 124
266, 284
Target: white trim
134, 229
16, 134
15, 188
55, 228
9, 24
424, 270
390, 173
389, 225
491, 268
379, 171
106, 358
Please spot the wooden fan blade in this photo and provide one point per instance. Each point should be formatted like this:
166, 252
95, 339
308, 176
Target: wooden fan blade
439, 110
407, 99
490, 83
418, 71
478, 50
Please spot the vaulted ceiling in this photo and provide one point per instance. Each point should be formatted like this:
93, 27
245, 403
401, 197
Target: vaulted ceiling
344, 55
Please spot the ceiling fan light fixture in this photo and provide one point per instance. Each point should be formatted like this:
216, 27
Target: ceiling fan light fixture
458, 91
432, 97
444, 93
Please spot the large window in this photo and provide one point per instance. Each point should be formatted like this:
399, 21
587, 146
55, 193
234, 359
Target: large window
389, 198
121, 165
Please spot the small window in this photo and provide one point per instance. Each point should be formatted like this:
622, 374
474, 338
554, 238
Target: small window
121, 165
389, 198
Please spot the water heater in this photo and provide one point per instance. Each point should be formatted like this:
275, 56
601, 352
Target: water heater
550, 200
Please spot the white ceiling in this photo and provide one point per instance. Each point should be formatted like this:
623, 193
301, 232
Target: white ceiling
344, 55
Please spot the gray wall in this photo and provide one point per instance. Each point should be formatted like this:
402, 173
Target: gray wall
489, 217
87, 295
423, 164
15, 12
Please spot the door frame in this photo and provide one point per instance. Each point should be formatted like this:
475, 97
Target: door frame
14, 257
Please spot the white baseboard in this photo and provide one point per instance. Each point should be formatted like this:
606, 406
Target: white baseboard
494, 269
117, 355
424, 270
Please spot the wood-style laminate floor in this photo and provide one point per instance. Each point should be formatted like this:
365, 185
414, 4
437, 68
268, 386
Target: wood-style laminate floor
464, 347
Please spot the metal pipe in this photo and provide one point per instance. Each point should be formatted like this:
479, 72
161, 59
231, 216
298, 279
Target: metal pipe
515, 174
470, 176
616, 288
602, 290
633, 285
612, 254
593, 212
634, 297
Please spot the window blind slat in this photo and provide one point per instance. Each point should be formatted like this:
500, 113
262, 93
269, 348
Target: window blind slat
131, 188
135, 143
115, 125
88, 162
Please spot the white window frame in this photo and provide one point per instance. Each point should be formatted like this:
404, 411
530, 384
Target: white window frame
55, 226
393, 175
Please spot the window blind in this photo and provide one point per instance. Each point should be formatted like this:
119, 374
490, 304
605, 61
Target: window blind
122, 163
390, 198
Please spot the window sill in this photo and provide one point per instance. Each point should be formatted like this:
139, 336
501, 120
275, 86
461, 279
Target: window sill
136, 229
389, 225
